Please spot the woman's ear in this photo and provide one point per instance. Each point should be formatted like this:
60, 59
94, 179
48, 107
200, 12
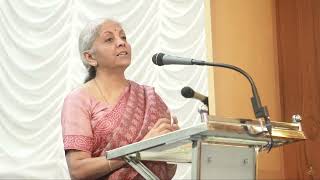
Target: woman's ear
90, 58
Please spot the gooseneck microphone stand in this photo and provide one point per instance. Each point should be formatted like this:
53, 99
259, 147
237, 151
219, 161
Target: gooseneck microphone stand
259, 110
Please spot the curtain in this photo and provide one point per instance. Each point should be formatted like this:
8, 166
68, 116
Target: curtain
40, 64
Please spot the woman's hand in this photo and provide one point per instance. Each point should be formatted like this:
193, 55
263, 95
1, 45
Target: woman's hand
162, 126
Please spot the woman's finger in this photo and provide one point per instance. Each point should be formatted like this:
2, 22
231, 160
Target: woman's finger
164, 132
175, 127
164, 126
161, 121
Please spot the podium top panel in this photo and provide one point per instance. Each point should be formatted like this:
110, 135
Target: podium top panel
229, 131
254, 129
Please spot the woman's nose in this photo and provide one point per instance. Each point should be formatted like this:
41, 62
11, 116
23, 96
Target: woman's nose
120, 42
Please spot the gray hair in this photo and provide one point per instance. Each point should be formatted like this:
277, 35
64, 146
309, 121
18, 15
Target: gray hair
88, 35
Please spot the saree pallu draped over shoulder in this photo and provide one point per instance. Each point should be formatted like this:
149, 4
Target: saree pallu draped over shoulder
143, 108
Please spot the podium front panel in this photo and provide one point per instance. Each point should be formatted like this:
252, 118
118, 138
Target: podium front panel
227, 162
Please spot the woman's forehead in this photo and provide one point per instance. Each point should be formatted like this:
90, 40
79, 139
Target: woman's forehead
111, 27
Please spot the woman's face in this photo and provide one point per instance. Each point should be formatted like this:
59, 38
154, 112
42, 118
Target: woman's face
111, 49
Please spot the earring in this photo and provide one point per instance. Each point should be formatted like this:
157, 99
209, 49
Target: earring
95, 64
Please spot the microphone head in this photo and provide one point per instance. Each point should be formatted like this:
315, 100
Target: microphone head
187, 92
157, 59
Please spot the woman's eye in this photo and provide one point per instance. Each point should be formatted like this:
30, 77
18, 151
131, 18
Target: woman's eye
124, 37
109, 39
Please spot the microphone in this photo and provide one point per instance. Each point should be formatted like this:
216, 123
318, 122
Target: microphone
188, 92
161, 59
260, 111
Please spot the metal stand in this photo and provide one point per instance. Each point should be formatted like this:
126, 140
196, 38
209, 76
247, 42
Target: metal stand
136, 164
196, 154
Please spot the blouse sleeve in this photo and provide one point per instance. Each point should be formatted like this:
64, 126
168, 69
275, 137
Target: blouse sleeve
76, 126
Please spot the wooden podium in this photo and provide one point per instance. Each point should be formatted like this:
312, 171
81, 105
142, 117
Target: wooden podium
217, 148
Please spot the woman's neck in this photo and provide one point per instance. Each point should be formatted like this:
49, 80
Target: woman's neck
110, 82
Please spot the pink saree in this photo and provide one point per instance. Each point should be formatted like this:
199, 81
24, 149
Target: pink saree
93, 126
